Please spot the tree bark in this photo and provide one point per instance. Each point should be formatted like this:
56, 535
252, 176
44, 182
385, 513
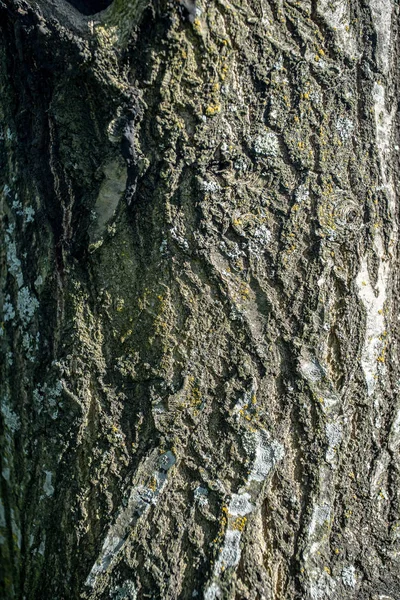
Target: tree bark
199, 285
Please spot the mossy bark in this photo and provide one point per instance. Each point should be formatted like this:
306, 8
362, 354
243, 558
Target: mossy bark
199, 284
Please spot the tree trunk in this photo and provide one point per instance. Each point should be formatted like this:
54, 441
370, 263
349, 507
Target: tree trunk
199, 285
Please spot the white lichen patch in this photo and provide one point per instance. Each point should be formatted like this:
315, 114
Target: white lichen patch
210, 187
232, 251
311, 369
260, 239
320, 582
334, 435
321, 515
374, 296
140, 500
213, 592
17, 207
373, 299
381, 11
344, 127
13, 262
240, 505
11, 419
394, 436
29, 213
336, 14
349, 576
267, 144
384, 120
322, 586
30, 344
230, 552
379, 474
302, 194
241, 164
125, 591
46, 396
267, 454
201, 496
8, 309
26, 305
178, 235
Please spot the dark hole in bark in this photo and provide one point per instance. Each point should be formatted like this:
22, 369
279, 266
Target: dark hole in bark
351, 216
90, 7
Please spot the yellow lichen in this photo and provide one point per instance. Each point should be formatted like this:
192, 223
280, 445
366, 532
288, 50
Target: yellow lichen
239, 523
213, 109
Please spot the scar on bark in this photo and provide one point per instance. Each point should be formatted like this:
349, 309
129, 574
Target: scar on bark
129, 153
189, 8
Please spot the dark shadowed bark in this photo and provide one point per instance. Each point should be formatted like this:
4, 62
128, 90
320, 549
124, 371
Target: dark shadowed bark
199, 288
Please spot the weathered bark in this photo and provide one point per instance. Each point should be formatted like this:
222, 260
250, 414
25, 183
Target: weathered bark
199, 282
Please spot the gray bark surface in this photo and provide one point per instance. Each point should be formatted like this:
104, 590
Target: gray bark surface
199, 300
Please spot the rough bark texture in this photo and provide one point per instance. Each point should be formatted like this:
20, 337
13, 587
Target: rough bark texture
200, 285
